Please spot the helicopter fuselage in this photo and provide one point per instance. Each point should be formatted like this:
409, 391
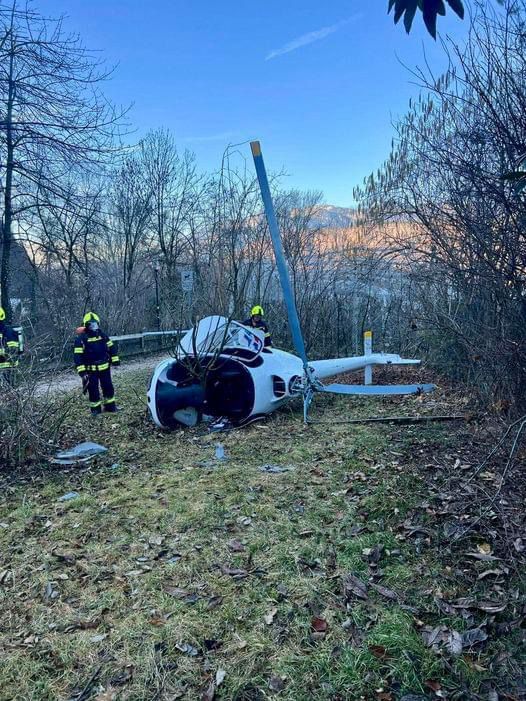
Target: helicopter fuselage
222, 370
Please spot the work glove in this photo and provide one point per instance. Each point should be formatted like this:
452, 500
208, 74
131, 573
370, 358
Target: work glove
85, 381
115, 363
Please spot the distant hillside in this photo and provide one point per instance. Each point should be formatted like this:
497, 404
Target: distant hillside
332, 217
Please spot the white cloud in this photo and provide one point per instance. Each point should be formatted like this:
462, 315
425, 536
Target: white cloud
309, 38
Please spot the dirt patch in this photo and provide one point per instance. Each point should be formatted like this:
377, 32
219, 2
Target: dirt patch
68, 380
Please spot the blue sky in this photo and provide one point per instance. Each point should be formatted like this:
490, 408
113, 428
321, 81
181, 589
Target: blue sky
318, 83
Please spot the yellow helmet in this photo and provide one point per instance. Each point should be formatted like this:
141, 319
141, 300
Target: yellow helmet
90, 316
257, 311
2, 314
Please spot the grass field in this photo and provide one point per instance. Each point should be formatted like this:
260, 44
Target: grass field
177, 576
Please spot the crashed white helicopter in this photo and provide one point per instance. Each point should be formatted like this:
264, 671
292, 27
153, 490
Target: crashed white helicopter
223, 372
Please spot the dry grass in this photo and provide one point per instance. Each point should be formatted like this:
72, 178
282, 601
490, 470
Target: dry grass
135, 590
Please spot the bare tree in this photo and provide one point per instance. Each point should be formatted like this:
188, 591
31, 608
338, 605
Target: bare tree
130, 223
447, 180
176, 188
54, 118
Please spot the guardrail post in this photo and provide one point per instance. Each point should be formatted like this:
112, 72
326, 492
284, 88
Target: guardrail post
21, 340
367, 350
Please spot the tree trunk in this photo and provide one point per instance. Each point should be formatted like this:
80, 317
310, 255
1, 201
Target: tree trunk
7, 234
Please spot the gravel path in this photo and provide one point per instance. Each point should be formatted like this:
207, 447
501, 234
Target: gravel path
68, 380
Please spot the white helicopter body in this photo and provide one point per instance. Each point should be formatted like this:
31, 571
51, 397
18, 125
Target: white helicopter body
222, 370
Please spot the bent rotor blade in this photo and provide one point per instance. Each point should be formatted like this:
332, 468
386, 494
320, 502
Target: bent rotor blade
378, 390
292, 312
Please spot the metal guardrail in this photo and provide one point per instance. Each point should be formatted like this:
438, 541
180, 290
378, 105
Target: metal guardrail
129, 345
146, 342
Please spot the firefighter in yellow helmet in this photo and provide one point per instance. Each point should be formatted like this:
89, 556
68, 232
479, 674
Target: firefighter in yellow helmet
9, 344
256, 321
95, 353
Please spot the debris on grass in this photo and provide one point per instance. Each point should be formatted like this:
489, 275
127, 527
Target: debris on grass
274, 469
69, 496
80, 453
365, 571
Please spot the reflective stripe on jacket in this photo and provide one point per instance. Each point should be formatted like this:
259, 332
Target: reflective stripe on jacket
94, 352
9, 346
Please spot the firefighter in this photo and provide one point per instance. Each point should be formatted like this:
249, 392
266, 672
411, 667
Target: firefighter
95, 353
256, 321
9, 346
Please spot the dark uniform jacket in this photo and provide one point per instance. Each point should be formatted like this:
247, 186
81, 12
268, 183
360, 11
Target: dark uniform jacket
9, 346
94, 352
262, 326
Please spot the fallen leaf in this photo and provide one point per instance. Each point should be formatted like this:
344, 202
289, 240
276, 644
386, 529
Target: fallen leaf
490, 606
157, 621
269, 617
433, 637
378, 651
156, 540
234, 572
185, 595
373, 554
488, 573
319, 625
433, 684
276, 684
484, 548
66, 557
209, 693
353, 585
214, 602
454, 643
473, 636
220, 676
98, 638
519, 546
109, 695
212, 643
82, 625
387, 593
187, 649
124, 676
282, 590
483, 556
236, 546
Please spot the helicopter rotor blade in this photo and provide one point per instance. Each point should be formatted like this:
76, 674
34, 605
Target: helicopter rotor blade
292, 312
378, 390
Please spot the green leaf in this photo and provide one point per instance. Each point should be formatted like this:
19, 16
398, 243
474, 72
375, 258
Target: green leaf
400, 8
431, 8
410, 15
457, 6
